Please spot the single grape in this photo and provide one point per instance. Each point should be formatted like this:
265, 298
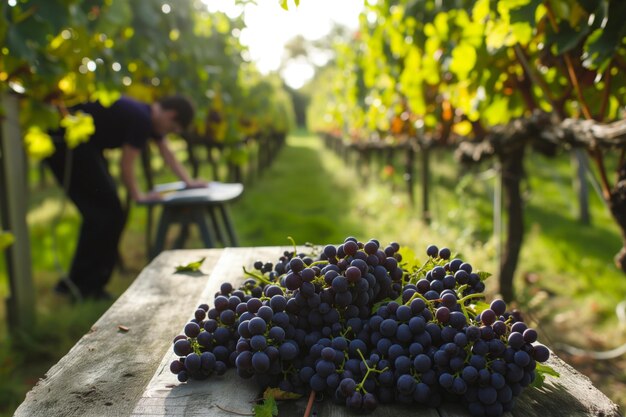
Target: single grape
182, 347
260, 362
257, 326
488, 317
432, 251
444, 253
541, 353
192, 329
193, 362
498, 307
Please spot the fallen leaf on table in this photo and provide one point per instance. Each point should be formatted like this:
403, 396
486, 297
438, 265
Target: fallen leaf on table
190, 267
267, 408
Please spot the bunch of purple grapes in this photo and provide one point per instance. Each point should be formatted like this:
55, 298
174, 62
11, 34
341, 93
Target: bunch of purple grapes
355, 324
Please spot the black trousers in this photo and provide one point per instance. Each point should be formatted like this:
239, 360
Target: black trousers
94, 192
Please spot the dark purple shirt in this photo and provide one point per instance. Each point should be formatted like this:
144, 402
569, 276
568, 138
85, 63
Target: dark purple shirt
126, 121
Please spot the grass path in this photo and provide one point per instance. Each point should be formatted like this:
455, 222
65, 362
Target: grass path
299, 196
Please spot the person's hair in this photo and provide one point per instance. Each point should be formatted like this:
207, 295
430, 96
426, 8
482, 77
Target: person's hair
182, 106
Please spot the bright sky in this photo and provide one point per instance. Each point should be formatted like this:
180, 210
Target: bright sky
269, 27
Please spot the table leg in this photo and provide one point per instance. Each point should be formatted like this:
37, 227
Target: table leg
229, 225
200, 219
164, 223
216, 225
183, 235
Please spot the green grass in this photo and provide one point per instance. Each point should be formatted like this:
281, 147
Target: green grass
566, 281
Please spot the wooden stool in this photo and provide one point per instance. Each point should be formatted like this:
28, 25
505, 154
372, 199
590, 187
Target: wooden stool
191, 206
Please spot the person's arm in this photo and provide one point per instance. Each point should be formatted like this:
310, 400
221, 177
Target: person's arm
170, 160
127, 166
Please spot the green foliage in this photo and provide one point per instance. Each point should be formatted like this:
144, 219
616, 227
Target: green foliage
78, 128
541, 371
267, 408
60, 52
442, 64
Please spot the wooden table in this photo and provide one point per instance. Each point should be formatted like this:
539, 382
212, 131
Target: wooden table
111, 372
189, 206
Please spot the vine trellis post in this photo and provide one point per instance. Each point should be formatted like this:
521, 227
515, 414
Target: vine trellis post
13, 209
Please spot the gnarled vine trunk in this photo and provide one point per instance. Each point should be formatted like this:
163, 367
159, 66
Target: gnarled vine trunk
512, 173
617, 204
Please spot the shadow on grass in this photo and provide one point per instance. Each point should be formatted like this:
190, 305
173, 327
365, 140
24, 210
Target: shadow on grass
574, 238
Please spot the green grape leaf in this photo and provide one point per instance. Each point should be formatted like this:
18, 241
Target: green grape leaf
31, 33
497, 112
602, 44
441, 24
78, 128
589, 5
6, 239
522, 32
191, 267
409, 258
567, 37
38, 143
524, 13
463, 60
540, 374
147, 13
117, 14
54, 13
267, 408
105, 97
40, 114
480, 306
483, 275
284, 5
480, 12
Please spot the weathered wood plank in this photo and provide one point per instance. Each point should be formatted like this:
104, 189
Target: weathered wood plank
328, 408
106, 372
164, 396
111, 373
570, 395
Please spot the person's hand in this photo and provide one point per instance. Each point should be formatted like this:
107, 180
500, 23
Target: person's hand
150, 197
196, 183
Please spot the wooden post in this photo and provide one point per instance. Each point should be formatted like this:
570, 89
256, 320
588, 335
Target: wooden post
13, 208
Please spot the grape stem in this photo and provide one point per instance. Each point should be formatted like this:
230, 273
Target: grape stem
359, 387
309, 405
417, 273
295, 247
257, 276
470, 296
322, 262
417, 295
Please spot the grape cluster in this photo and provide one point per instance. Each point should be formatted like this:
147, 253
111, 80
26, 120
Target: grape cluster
355, 324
